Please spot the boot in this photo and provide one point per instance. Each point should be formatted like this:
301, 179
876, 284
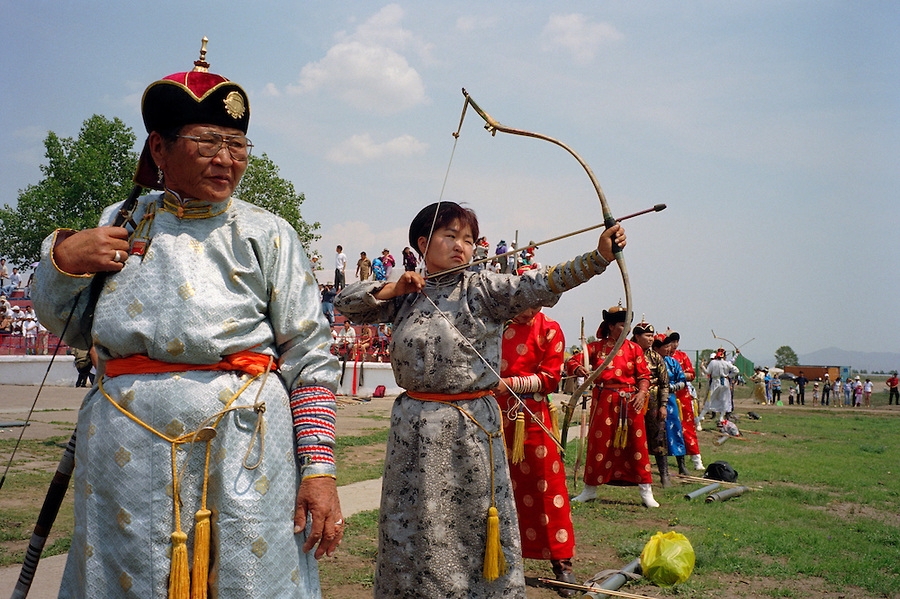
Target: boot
589, 493
698, 462
562, 569
662, 464
681, 469
647, 495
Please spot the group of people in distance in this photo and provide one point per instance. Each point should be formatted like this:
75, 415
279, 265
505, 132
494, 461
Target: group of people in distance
205, 454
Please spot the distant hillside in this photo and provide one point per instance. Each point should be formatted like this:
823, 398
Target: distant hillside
870, 361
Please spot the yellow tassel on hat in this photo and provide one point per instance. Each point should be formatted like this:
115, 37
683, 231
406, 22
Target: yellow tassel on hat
179, 575
494, 561
518, 449
200, 571
554, 418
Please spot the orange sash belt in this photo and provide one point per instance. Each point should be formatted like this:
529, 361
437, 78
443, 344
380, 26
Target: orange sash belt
252, 363
422, 396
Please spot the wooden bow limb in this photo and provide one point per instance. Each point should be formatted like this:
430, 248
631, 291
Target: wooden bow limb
737, 350
580, 448
592, 589
697, 479
492, 126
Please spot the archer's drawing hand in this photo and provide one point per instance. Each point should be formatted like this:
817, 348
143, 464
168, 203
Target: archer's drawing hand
580, 370
605, 245
91, 250
409, 282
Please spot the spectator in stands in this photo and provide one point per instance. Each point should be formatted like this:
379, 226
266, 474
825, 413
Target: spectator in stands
4, 274
409, 259
388, 261
346, 339
501, 249
378, 270
28, 286
363, 267
328, 294
17, 316
340, 268
364, 347
15, 279
5, 318
29, 332
480, 253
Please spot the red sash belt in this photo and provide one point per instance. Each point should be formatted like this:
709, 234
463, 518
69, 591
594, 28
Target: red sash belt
252, 363
422, 396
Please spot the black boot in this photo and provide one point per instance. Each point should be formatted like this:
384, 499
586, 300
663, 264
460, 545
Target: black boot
562, 569
662, 464
681, 469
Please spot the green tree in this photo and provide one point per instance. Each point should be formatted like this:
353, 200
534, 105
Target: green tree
785, 356
263, 186
81, 176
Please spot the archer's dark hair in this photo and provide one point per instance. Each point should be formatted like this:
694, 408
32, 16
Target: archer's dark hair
425, 223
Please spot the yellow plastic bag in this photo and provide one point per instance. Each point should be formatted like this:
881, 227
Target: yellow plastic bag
667, 559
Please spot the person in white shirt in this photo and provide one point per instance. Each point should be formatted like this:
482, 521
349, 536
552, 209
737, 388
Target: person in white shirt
340, 269
15, 279
346, 339
867, 391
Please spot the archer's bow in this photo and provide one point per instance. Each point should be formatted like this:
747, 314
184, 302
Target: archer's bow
736, 348
493, 126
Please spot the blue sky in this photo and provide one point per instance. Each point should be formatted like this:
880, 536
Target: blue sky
770, 129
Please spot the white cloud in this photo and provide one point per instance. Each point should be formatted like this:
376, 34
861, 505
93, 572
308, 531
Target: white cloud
576, 34
271, 90
367, 70
362, 148
385, 29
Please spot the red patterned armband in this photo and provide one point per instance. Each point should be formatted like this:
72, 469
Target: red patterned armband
313, 413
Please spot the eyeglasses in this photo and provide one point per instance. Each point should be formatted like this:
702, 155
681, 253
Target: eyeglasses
209, 144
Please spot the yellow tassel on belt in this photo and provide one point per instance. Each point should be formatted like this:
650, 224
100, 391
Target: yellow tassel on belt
554, 417
494, 560
518, 448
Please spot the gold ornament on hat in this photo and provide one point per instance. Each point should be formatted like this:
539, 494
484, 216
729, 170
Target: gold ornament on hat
234, 105
201, 66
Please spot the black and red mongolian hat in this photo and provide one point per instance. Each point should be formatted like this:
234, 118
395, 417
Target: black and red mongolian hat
643, 327
196, 96
615, 315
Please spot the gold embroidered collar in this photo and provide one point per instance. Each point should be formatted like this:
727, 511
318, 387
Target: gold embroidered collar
191, 208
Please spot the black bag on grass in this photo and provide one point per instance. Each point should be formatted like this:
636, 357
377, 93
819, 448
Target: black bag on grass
721, 471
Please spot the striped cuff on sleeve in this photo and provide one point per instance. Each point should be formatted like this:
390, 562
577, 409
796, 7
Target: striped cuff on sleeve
313, 412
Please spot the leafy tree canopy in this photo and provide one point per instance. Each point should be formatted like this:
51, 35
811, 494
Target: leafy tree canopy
82, 176
785, 356
263, 186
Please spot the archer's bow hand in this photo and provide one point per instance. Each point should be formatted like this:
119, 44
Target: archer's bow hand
614, 234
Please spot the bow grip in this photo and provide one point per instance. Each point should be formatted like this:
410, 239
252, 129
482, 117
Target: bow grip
609, 222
